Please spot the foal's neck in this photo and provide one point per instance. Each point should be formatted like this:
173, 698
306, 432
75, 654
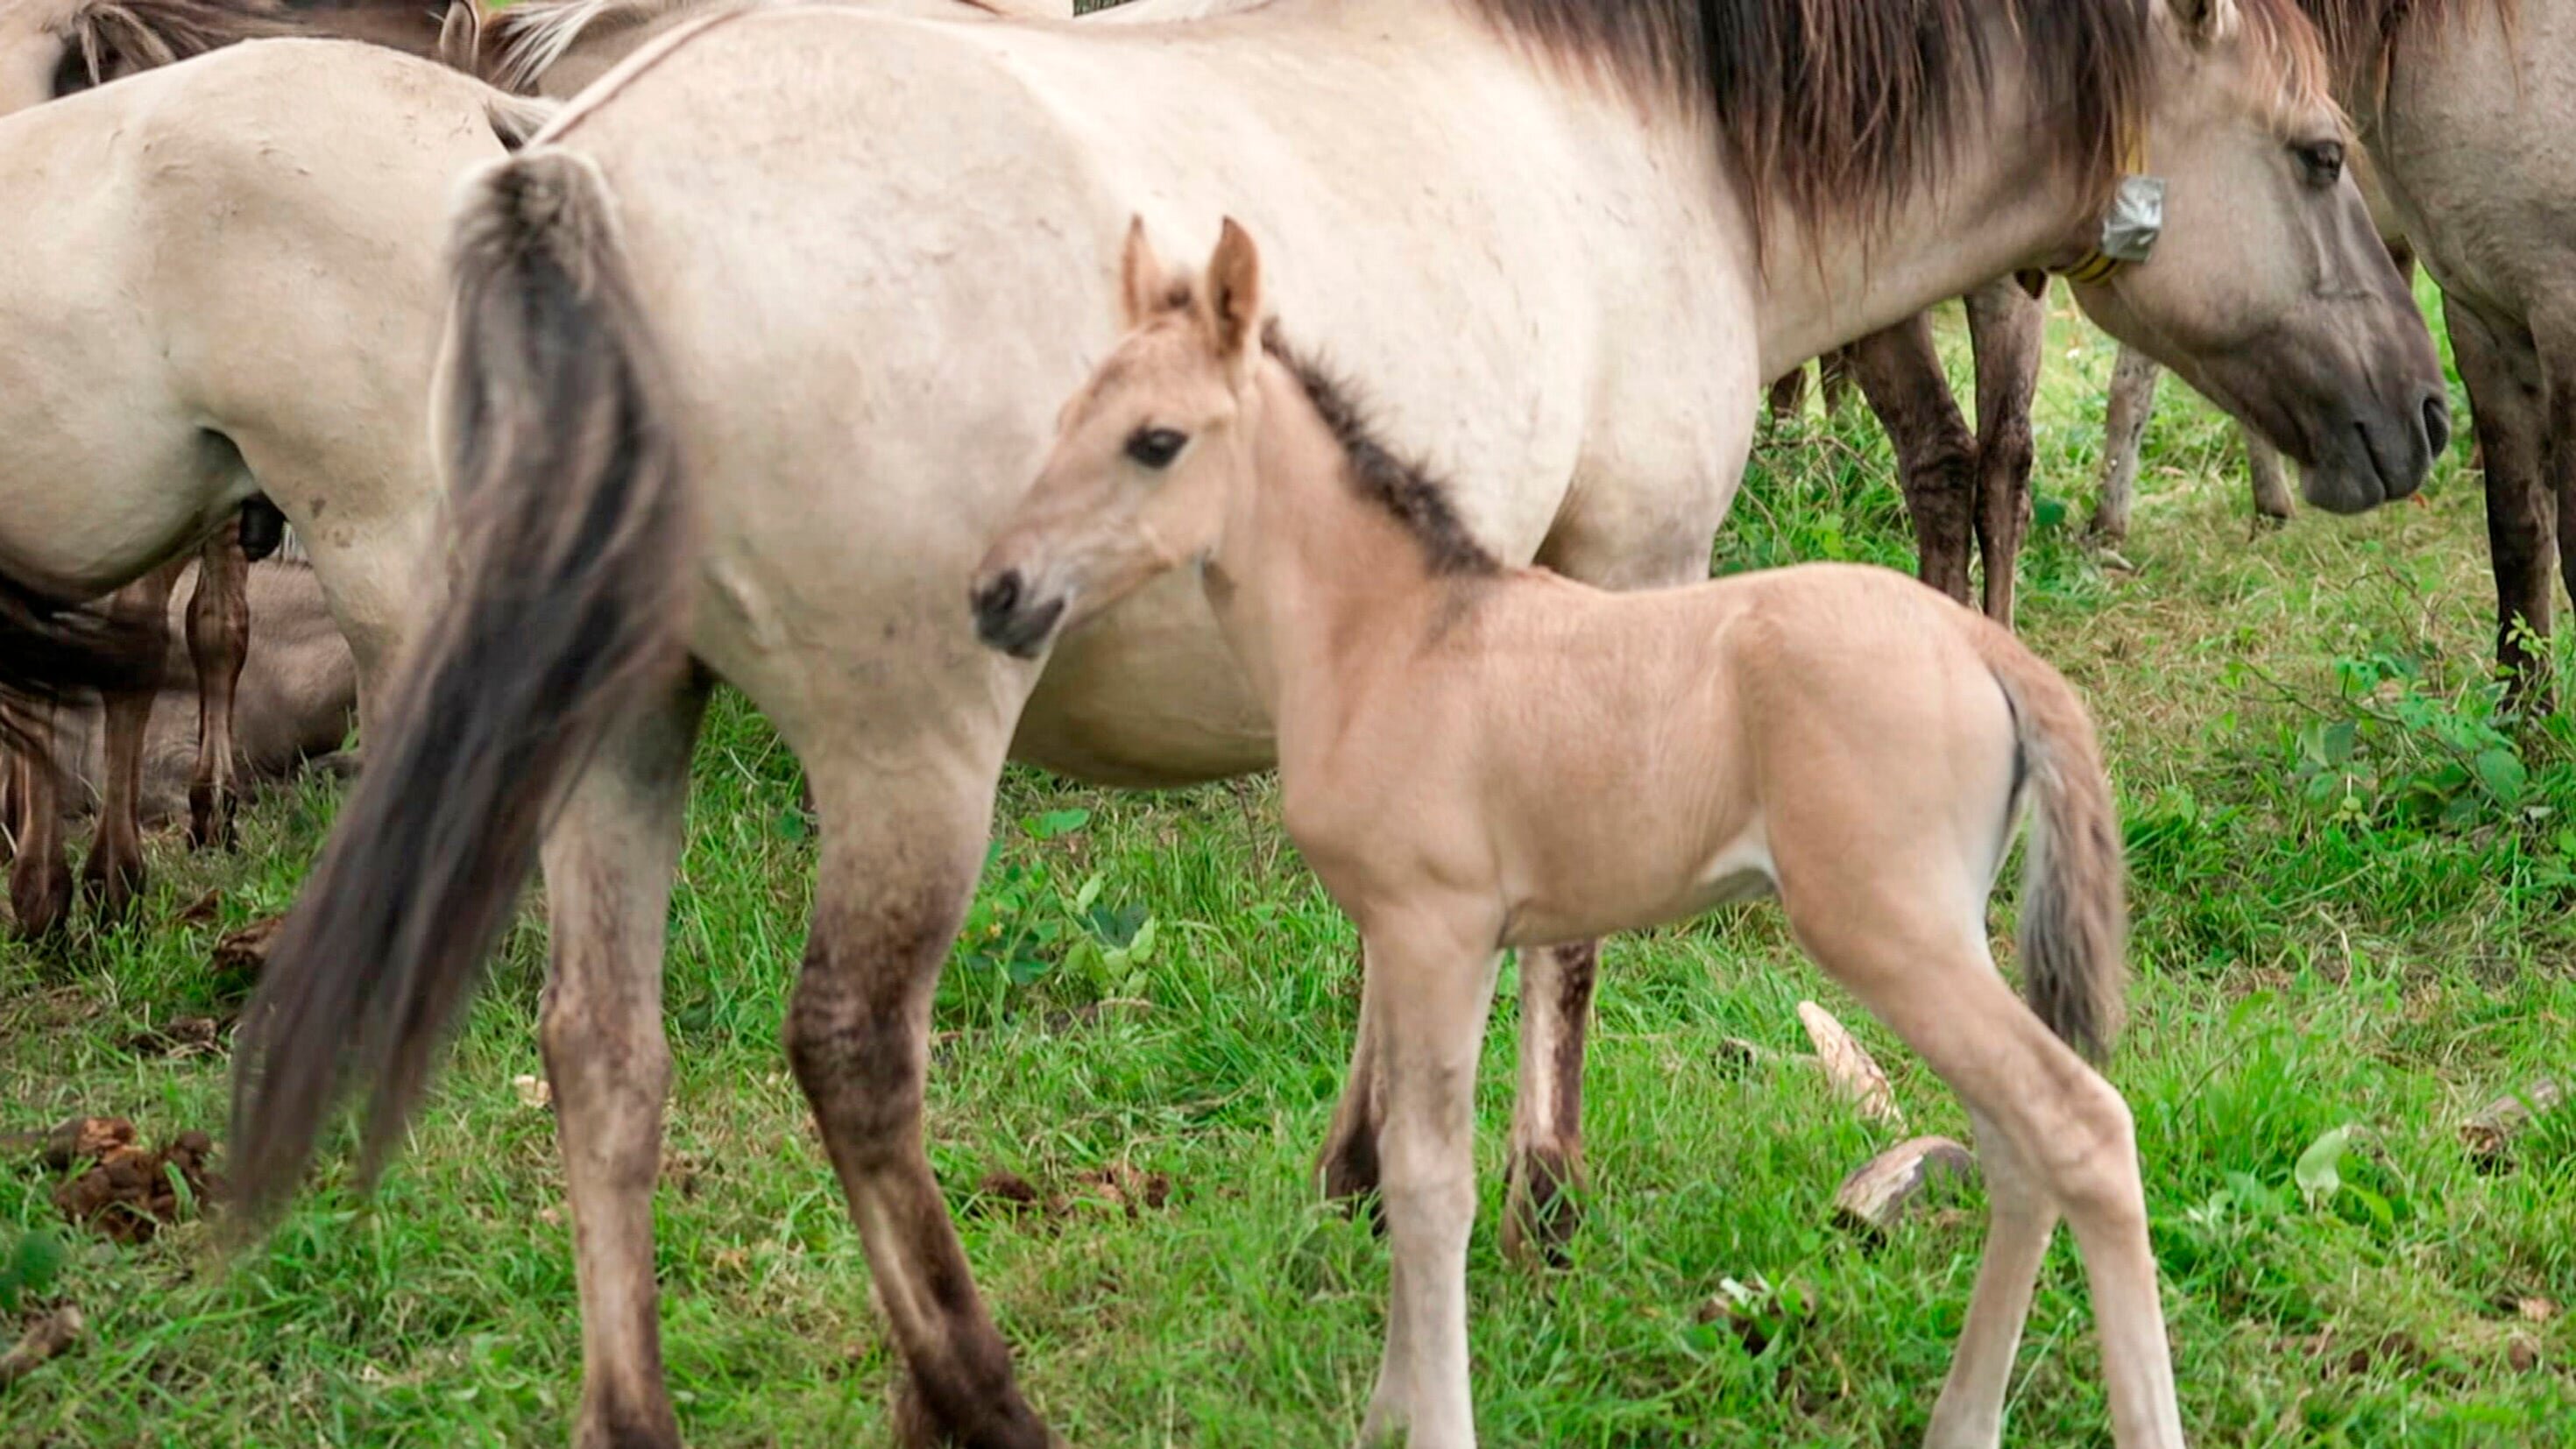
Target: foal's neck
1315, 582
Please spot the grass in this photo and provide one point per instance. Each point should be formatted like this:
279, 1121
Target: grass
2352, 895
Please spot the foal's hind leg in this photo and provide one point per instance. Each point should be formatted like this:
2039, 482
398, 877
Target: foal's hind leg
218, 643
1936, 456
1908, 942
900, 855
2007, 324
113, 875
609, 863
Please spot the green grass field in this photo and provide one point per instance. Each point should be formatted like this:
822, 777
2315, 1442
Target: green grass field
2352, 902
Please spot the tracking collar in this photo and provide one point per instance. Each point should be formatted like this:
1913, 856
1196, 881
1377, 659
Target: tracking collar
2131, 226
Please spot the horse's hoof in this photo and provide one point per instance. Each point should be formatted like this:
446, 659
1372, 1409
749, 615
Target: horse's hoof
1540, 1213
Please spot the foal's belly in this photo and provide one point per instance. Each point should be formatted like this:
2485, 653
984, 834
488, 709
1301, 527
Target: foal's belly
1615, 894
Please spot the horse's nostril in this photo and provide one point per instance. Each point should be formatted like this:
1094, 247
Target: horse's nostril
2437, 423
999, 595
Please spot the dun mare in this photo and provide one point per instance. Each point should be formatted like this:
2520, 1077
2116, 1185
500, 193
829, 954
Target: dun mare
1620, 218
55, 48
1841, 736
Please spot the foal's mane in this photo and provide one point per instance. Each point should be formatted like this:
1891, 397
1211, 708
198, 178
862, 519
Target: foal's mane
1401, 486
1835, 109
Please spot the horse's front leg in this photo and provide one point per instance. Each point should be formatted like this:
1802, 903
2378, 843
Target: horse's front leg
218, 643
609, 863
113, 875
2124, 434
1435, 974
2502, 371
40, 880
900, 856
2007, 324
1900, 373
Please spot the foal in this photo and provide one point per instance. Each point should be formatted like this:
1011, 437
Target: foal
1476, 758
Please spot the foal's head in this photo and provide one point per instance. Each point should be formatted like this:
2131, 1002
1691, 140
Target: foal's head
1144, 454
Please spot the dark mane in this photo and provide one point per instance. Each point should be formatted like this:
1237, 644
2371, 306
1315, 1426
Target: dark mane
112, 38
1835, 109
1400, 486
2363, 36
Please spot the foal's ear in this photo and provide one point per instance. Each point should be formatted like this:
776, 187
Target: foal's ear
1233, 296
1141, 290
2203, 21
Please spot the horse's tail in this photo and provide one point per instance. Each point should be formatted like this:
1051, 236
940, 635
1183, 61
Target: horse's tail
569, 602
2074, 908
53, 654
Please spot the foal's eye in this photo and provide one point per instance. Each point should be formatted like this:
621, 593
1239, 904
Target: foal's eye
1156, 447
2322, 161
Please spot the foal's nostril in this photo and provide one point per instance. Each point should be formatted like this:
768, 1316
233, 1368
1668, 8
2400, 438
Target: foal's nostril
2437, 424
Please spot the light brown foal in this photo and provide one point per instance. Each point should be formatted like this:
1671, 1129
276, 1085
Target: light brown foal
1475, 758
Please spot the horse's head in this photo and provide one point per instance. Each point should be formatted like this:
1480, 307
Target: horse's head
2268, 289
1144, 455
53, 48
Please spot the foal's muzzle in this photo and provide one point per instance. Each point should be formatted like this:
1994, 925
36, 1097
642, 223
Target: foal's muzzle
1009, 618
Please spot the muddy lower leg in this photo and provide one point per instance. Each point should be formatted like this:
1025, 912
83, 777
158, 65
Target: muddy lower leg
609, 864
218, 642
113, 876
894, 881
2124, 432
1347, 1169
2006, 323
2502, 371
1900, 373
1546, 1166
1437, 996
40, 880
2271, 485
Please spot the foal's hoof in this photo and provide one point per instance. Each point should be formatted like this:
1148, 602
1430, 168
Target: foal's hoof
1540, 1213
210, 818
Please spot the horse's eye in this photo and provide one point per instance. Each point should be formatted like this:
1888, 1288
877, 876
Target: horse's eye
1156, 447
2323, 162
71, 73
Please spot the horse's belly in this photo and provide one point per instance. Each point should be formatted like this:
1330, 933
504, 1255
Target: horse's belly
1147, 696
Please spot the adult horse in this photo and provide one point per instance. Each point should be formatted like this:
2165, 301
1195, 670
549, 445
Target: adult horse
50, 49
782, 474
2465, 105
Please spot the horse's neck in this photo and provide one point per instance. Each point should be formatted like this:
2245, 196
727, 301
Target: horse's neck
1310, 576
2005, 203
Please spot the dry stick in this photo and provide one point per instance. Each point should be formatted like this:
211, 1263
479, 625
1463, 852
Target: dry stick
1880, 1191
1850, 1067
49, 1335
2491, 1130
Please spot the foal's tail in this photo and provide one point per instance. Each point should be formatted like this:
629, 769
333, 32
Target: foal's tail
2074, 908
569, 601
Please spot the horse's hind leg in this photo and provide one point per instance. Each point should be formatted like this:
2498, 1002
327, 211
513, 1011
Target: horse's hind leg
40, 880
2007, 324
1900, 373
113, 875
2502, 371
900, 856
609, 863
1546, 1164
218, 643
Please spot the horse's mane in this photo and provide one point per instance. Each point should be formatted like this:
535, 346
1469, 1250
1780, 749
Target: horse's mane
530, 38
1401, 486
110, 38
2362, 37
1835, 109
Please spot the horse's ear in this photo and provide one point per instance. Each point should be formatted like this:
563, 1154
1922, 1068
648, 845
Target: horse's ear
1140, 277
460, 38
1233, 295
2203, 21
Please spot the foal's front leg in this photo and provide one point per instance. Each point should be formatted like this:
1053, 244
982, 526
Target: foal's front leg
1434, 977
